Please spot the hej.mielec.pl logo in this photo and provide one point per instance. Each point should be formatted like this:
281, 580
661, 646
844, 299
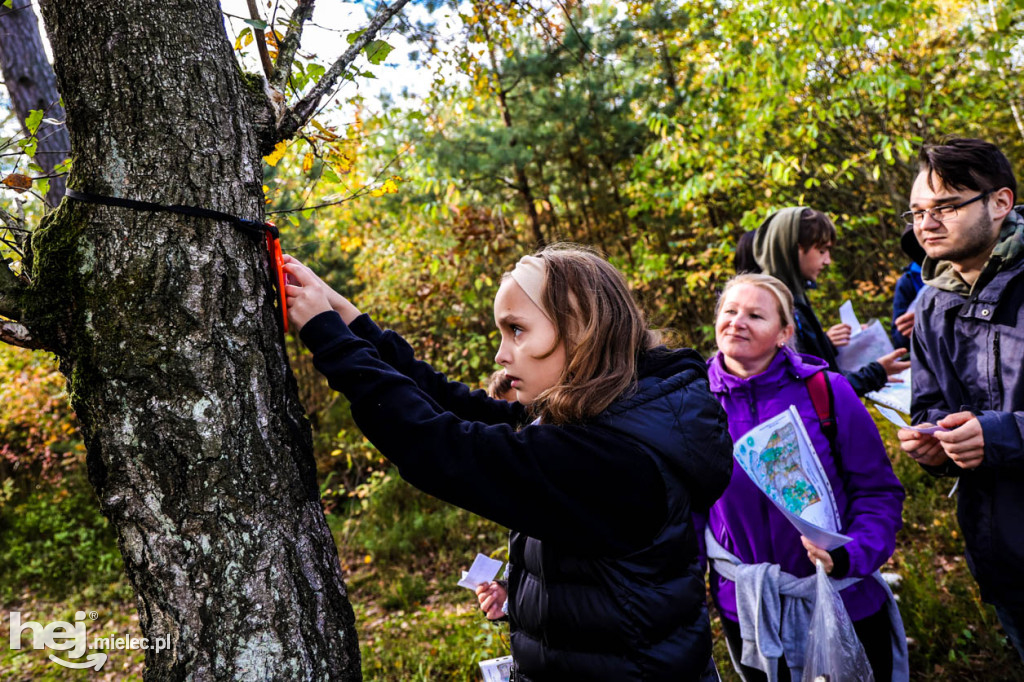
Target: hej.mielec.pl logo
72, 638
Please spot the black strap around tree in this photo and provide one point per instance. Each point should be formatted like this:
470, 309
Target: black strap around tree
253, 228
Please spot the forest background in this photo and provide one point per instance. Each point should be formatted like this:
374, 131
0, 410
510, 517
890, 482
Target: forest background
657, 132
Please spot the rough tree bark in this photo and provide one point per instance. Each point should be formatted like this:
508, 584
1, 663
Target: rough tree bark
167, 330
32, 85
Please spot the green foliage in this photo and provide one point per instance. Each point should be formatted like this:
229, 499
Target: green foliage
428, 644
39, 437
389, 521
55, 544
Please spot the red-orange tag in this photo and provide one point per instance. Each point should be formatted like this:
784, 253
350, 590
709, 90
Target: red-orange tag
277, 262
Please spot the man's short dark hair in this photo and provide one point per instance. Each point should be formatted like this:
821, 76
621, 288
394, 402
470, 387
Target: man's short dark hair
967, 163
816, 230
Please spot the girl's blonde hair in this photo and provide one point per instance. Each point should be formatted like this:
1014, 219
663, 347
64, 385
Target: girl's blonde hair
783, 297
603, 329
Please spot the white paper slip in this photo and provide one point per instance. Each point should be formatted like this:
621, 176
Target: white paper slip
894, 395
865, 346
496, 669
897, 419
483, 571
847, 316
827, 540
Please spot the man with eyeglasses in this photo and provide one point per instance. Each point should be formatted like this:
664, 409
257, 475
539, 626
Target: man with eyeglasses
967, 355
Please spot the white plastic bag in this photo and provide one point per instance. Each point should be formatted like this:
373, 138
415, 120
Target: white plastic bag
833, 654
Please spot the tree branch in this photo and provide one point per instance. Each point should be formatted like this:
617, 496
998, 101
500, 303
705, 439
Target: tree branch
297, 116
289, 45
261, 41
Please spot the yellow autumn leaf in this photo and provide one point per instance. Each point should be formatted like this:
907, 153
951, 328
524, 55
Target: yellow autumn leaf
349, 244
324, 131
243, 40
274, 37
277, 154
389, 187
307, 162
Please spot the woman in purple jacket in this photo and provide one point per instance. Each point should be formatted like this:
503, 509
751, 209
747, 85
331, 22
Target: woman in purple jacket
755, 377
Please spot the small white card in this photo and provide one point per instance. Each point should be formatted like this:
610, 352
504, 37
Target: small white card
897, 419
847, 316
483, 571
496, 669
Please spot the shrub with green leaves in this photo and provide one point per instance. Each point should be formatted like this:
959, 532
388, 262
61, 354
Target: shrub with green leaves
56, 543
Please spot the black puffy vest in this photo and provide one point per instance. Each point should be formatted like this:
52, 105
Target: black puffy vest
641, 616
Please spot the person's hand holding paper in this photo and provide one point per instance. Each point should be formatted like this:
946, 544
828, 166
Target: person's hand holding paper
867, 344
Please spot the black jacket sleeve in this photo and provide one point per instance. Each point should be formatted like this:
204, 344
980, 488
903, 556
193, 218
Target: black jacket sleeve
583, 486
870, 377
453, 396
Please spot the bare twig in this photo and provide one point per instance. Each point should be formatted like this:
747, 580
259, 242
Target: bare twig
298, 115
261, 41
289, 45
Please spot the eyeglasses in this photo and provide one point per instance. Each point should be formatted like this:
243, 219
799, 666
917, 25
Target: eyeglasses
939, 213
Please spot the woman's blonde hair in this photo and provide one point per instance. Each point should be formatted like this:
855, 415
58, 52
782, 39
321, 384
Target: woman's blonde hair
783, 297
603, 329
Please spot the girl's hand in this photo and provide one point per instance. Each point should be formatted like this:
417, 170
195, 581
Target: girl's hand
492, 596
815, 553
337, 302
306, 298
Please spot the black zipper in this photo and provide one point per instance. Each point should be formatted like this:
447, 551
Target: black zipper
999, 375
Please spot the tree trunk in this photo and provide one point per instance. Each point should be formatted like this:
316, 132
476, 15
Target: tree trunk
32, 85
522, 181
167, 330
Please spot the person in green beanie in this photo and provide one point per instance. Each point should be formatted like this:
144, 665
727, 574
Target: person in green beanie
794, 245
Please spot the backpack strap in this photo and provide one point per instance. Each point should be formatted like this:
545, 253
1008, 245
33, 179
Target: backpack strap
820, 389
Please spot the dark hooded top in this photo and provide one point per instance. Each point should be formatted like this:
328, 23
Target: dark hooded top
776, 249
604, 579
966, 355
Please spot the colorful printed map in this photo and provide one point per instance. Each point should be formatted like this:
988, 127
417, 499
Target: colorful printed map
779, 458
785, 479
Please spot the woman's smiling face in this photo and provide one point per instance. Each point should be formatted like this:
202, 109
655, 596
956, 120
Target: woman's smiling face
528, 351
749, 329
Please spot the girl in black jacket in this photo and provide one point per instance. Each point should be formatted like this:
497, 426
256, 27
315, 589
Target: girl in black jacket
613, 441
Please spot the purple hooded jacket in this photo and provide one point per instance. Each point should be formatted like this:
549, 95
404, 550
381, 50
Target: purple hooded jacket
870, 501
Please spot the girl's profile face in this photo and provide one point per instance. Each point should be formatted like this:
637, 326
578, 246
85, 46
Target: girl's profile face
749, 329
527, 336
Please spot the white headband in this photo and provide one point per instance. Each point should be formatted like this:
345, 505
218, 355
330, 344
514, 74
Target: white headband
530, 274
